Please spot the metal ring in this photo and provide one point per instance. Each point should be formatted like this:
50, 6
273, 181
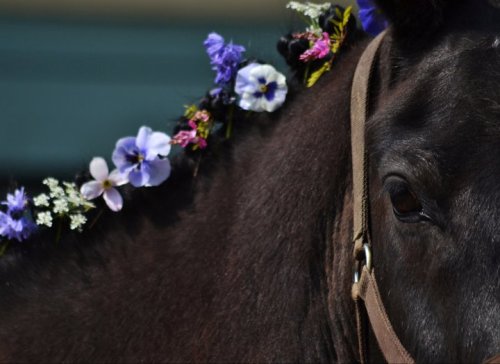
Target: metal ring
368, 256
367, 261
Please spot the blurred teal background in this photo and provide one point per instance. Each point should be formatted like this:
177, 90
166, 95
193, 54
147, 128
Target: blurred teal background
75, 77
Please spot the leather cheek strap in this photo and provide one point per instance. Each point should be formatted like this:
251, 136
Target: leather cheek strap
366, 289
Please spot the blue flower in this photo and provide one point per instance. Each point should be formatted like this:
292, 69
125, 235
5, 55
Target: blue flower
16, 202
224, 59
260, 87
141, 159
12, 228
371, 18
213, 44
16, 223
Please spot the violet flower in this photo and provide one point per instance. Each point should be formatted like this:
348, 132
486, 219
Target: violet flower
141, 159
319, 50
213, 44
104, 184
16, 202
371, 18
224, 59
12, 228
260, 87
16, 223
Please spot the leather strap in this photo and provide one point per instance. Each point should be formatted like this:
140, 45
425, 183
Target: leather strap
494, 360
359, 105
366, 289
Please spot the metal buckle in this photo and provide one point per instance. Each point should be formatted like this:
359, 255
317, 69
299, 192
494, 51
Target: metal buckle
367, 262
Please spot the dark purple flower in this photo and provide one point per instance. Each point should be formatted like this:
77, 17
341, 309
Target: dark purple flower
224, 59
371, 18
213, 44
16, 228
16, 202
226, 64
139, 158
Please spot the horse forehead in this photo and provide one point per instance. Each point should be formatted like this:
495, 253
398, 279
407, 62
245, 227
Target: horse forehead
446, 113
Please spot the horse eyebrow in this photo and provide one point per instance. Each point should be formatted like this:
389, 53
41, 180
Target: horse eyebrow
420, 167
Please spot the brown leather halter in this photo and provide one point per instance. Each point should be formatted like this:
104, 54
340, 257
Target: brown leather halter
365, 289
365, 286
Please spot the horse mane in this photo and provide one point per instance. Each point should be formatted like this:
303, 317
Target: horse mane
245, 246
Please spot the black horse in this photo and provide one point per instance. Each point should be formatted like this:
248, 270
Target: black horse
251, 261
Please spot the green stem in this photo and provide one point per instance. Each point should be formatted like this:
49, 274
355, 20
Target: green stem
197, 167
3, 248
306, 73
229, 128
59, 230
97, 217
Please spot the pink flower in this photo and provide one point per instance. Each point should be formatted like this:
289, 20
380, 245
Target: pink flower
184, 137
202, 115
104, 184
202, 143
319, 50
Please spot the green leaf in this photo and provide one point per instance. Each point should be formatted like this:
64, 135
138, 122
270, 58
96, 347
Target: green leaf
317, 74
347, 15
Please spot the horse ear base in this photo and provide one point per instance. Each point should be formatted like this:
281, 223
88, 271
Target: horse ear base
413, 17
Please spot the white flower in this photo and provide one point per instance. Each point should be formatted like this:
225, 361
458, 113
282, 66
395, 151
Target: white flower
75, 198
104, 184
260, 87
51, 182
77, 221
60, 206
41, 200
44, 218
310, 10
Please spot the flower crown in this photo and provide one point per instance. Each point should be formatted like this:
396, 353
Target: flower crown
240, 85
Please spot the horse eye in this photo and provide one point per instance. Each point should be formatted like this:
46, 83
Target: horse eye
405, 203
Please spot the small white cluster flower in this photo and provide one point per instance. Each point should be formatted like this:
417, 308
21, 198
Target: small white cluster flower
311, 10
77, 221
51, 183
44, 218
41, 200
56, 191
75, 198
63, 201
60, 206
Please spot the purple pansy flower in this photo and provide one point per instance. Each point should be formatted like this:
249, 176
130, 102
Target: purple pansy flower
260, 87
371, 18
141, 159
224, 59
16, 202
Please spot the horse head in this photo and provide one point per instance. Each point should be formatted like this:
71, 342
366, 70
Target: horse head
432, 135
